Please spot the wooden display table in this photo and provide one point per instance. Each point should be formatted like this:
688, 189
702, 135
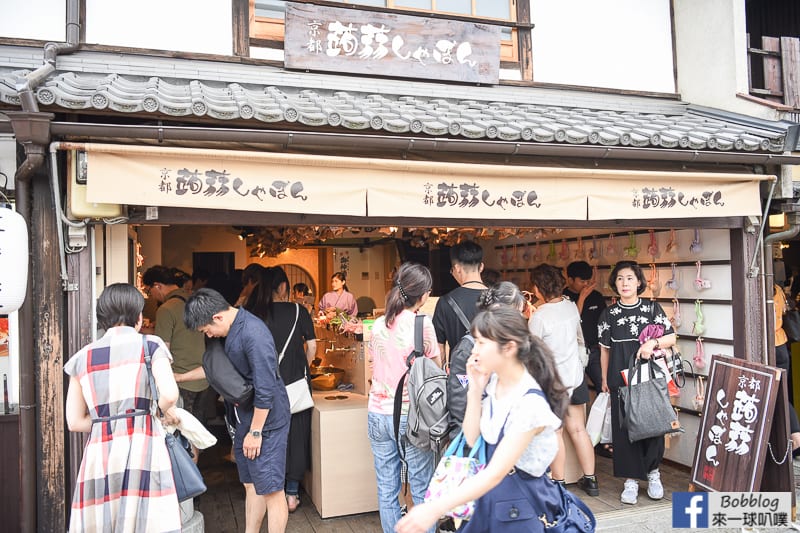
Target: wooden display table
342, 476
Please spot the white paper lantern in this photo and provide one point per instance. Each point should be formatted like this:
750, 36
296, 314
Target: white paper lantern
13, 260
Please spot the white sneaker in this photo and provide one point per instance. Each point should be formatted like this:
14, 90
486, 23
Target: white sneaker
654, 488
631, 492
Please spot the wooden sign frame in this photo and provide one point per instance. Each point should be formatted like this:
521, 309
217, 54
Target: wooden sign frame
389, 44
744, 400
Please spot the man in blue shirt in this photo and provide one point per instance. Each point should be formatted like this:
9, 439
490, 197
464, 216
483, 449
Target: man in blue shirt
261, 431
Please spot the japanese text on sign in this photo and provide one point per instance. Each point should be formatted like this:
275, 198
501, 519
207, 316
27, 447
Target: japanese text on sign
220, 183
668, 197
467, 195
369, 41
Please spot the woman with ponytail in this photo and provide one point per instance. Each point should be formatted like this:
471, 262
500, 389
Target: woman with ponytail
391, 342
515, 401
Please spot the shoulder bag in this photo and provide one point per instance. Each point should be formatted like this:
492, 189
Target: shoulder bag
644, 407
188, 479
299, 391
530, 504
224, 378
456, 467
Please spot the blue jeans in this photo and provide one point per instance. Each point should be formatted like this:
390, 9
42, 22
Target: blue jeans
380, 429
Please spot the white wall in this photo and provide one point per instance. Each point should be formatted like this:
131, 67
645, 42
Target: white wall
202, 26
33, 19
711, 55
620, 44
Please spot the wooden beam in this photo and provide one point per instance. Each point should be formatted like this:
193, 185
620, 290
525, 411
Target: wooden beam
772, 68
241, 28
790, 61
48, 352
748, 339
525, 41
79, 334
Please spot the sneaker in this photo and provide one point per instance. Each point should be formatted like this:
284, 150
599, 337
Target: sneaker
403, 510
631, 492
589, 485
655, 490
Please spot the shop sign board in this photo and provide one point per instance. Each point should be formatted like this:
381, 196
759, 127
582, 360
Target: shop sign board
674, 197
734, 444
220, 179
387, 44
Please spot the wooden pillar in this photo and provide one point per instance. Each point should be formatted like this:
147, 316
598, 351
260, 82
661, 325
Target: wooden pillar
48, 353
748, 306
79, 333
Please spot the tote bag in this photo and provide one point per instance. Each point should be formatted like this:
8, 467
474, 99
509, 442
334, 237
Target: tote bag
453, 470
597, 416
645, 409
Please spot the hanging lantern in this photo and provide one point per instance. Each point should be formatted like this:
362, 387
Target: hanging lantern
13, 259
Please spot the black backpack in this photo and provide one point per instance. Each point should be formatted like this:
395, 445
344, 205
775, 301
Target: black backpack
457, 373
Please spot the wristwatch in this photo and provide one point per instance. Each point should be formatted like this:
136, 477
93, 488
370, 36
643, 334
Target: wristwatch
256, 433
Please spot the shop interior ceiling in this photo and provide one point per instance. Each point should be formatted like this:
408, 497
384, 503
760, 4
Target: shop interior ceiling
273, 240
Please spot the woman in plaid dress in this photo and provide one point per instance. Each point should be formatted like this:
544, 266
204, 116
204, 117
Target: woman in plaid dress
125, 481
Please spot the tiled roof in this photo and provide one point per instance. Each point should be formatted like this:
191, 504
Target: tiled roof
395, 114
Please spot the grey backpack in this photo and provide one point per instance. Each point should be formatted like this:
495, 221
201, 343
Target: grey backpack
427, 400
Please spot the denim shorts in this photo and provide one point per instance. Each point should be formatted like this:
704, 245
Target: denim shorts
267, 472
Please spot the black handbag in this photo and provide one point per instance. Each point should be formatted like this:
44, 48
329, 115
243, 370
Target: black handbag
187, 477
644, 406
791, 324
224, 378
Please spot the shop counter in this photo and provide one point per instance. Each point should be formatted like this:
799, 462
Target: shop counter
342, 476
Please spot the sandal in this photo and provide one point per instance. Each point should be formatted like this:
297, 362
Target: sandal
605, 450
293, 502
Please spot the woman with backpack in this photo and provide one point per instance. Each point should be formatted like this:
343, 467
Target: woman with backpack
515, 401
391, 342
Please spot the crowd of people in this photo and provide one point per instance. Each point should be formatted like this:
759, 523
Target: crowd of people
520, 369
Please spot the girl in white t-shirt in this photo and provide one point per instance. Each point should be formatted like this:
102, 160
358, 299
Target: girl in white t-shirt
515, 400
558, 323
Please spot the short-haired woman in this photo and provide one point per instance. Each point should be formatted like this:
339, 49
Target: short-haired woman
125, 481
619, 327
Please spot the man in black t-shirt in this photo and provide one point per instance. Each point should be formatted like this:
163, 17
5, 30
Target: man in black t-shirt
581, 290
466, 259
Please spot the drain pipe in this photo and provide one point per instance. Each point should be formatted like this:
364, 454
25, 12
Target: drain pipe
793, 218
28, 83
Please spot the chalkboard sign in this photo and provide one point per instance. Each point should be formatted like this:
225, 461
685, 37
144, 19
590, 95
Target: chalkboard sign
738, 440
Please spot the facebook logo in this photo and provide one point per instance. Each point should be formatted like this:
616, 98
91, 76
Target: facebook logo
689, 509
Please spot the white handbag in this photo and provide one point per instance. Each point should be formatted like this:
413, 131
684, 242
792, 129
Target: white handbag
298, 391
597, 415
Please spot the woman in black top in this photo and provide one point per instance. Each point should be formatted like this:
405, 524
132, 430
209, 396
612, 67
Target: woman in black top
269, 302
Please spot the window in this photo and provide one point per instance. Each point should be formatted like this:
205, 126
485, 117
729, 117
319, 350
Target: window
266, 17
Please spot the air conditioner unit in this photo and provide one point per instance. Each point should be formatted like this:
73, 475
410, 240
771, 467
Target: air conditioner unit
77, 205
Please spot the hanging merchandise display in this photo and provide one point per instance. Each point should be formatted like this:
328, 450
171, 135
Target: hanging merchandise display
564, 254
699, 326
676, 314
699, 393
537, 255
652, 249
579, 252
13, 259
697, 245
526, 255
701, 283
594, 251
672, 283
699, 353
632, 250
611, 248
551, 255
673, 241
653, 282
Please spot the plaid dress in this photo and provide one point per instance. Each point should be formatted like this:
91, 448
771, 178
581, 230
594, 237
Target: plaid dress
125, 481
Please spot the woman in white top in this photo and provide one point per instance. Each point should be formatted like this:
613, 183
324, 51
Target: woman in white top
514, 401
558, 323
